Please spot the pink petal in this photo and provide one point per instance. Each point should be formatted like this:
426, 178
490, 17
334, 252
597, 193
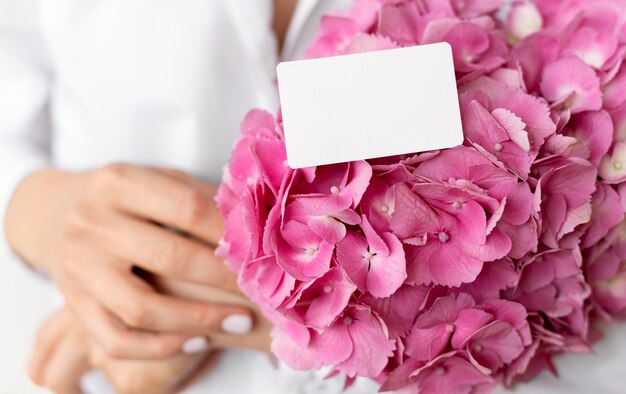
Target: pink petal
591, 46
474, 8
351, 252
573, 83
446, 265
368, 43
596, 130
614, 92
467, 323
372, 348
468, 43
333, 345
387, 273
360, 174
324, 204
400, 23
271, 156
452, 374
412, 216
328, 228
523, 19
424, 344
235, 245
613, 166
334, 31
376, 243
256, 120
514, 127
400, 309
482, 128
293, 354
499, 339
607, 212
512, 313
274, 284
326, 298
301, 254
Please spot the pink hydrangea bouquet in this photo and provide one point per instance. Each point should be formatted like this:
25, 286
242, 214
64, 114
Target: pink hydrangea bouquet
455, 270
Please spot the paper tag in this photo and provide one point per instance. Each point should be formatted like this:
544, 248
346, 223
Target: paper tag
369, 105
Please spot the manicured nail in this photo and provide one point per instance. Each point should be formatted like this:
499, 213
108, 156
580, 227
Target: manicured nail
237, 324
196, 345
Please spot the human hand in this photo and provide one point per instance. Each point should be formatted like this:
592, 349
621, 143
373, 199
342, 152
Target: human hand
63, 353
88, 230
259, 337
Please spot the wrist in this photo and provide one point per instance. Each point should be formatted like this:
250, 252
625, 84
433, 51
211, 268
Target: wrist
36, 203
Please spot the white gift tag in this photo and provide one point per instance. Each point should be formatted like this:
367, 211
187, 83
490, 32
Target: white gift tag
369, 105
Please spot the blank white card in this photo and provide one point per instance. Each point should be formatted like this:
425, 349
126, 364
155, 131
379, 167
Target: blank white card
369, 105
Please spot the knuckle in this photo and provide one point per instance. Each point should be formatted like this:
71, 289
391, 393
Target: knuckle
192, 208
114, 347
108, 176
137, 314
126, 384
115, 170
208, 318
162, 350
71, 265
169, 257
79, 220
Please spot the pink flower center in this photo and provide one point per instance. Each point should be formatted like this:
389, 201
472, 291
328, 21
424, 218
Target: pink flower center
497, 147
384, 208
310, 251
618, 165
334, 190
368, 255
348, 320
440, 371
457, 204
478, 347
328, 288
449, 328
443, 237
250, 181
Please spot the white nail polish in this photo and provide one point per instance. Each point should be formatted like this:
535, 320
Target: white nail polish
196, 345
237, 324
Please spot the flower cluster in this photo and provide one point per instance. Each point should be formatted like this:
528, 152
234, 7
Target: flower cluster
455, 270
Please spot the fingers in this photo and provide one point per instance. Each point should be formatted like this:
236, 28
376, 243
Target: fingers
155, 376
135, 304
161, 251
202, 367
44, 346
139, 306
67, 365
120, 342
60, 356
164, 199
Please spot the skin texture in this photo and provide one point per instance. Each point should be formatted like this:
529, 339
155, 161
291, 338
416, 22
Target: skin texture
64, 352
88, 231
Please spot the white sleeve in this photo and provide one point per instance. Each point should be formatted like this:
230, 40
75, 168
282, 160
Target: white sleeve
24, 92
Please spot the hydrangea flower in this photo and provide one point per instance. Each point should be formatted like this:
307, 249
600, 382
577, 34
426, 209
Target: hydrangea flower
454, 270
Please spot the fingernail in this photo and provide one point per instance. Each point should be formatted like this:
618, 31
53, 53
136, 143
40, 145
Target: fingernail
237, 324
196, 345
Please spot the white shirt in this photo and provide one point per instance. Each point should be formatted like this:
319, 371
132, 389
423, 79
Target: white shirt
166, 83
